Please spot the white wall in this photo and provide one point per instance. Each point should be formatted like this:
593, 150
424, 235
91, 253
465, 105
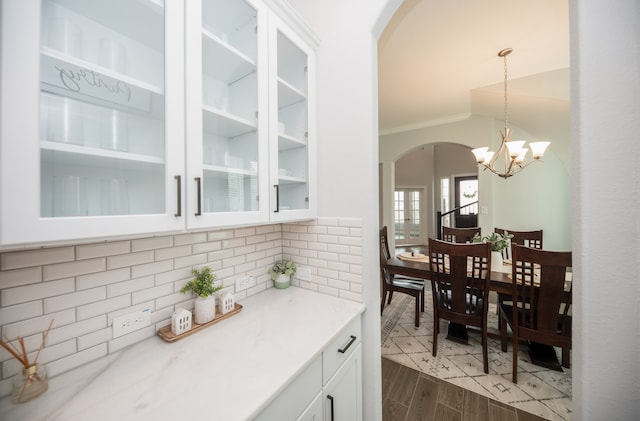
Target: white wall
605, 49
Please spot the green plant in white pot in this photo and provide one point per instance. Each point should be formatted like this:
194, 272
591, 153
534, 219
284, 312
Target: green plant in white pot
281, 272
204, 306
498, 244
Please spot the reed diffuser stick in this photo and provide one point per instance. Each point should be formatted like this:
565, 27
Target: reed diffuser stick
44, 338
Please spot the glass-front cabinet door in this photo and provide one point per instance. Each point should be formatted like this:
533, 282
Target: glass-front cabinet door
92, 118
292, 130
226, 113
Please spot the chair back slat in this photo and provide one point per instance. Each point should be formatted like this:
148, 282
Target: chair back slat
460, 279
459, 235
539, 288
532, 239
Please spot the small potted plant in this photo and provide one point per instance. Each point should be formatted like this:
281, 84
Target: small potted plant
281, 272
204, 306
498, 244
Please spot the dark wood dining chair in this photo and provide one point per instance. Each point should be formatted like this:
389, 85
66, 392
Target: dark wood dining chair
540, 307
531, 239
460, 276
391, 283
459, 235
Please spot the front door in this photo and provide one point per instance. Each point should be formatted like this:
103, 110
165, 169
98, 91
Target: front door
466, 192
408, 205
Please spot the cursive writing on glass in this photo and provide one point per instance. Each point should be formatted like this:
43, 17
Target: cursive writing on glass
75, 79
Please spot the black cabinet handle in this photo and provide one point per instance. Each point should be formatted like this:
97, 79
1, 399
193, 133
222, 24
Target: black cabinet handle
351, 341
179, 196
277, 197
331, 400
199, 195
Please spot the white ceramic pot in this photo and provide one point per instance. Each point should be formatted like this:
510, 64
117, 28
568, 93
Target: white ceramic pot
496, 261
204, 309
282, 281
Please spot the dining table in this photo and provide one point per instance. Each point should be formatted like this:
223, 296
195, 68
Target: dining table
416, 265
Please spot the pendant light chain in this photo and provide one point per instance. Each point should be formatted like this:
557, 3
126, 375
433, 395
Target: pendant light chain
505, 92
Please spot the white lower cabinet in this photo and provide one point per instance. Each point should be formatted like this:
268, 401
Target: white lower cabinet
343, 393
329, 389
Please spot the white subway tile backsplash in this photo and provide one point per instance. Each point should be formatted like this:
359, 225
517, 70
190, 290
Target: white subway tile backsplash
110, 304
151, 293
12, 296
173, 252
152, 243
102, 278
192, 238
220, 235
90, 251
19, 277
336, 248
189, 261
19, 312
38, 324
23, 259
74, 330
83, 287
94, 338
138, 258
151, 268
126, 287
207, 247
72, 300
79, 267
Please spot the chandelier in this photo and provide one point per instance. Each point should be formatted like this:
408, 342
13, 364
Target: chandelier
513, 153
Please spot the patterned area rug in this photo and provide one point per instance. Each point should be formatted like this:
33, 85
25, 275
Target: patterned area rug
540, 391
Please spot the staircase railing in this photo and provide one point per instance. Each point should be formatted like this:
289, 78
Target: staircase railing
440, 215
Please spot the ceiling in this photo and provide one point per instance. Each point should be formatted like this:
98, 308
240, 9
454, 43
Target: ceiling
438, 63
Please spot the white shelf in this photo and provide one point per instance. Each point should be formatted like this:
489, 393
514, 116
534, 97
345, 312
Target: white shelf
71, 154
286, 179
225, 124
288, 94
228, 170
229, 65
286, 142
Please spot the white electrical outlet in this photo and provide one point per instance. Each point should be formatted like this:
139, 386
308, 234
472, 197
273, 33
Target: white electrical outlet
304, 274
245, 282
131, 322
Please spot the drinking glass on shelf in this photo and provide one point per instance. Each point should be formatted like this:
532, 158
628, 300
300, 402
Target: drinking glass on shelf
65, 36
115, 196
114, 131
112, 55
64, 120
70, 196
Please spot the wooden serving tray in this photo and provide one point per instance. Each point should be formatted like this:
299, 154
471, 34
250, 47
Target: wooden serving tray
166, 333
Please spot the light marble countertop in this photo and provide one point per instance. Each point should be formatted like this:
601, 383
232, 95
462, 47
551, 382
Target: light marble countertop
228, 371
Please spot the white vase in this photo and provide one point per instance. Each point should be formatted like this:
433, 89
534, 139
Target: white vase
496, 261
204, 309
282, 281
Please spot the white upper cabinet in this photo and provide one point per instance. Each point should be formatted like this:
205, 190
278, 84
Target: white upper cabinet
226, 85
88, 149
292, 125
123, 117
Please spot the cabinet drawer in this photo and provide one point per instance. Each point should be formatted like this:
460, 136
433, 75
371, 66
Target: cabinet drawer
289, 404
340, 348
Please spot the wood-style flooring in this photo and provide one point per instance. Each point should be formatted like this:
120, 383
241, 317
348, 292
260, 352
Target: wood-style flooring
408, 394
